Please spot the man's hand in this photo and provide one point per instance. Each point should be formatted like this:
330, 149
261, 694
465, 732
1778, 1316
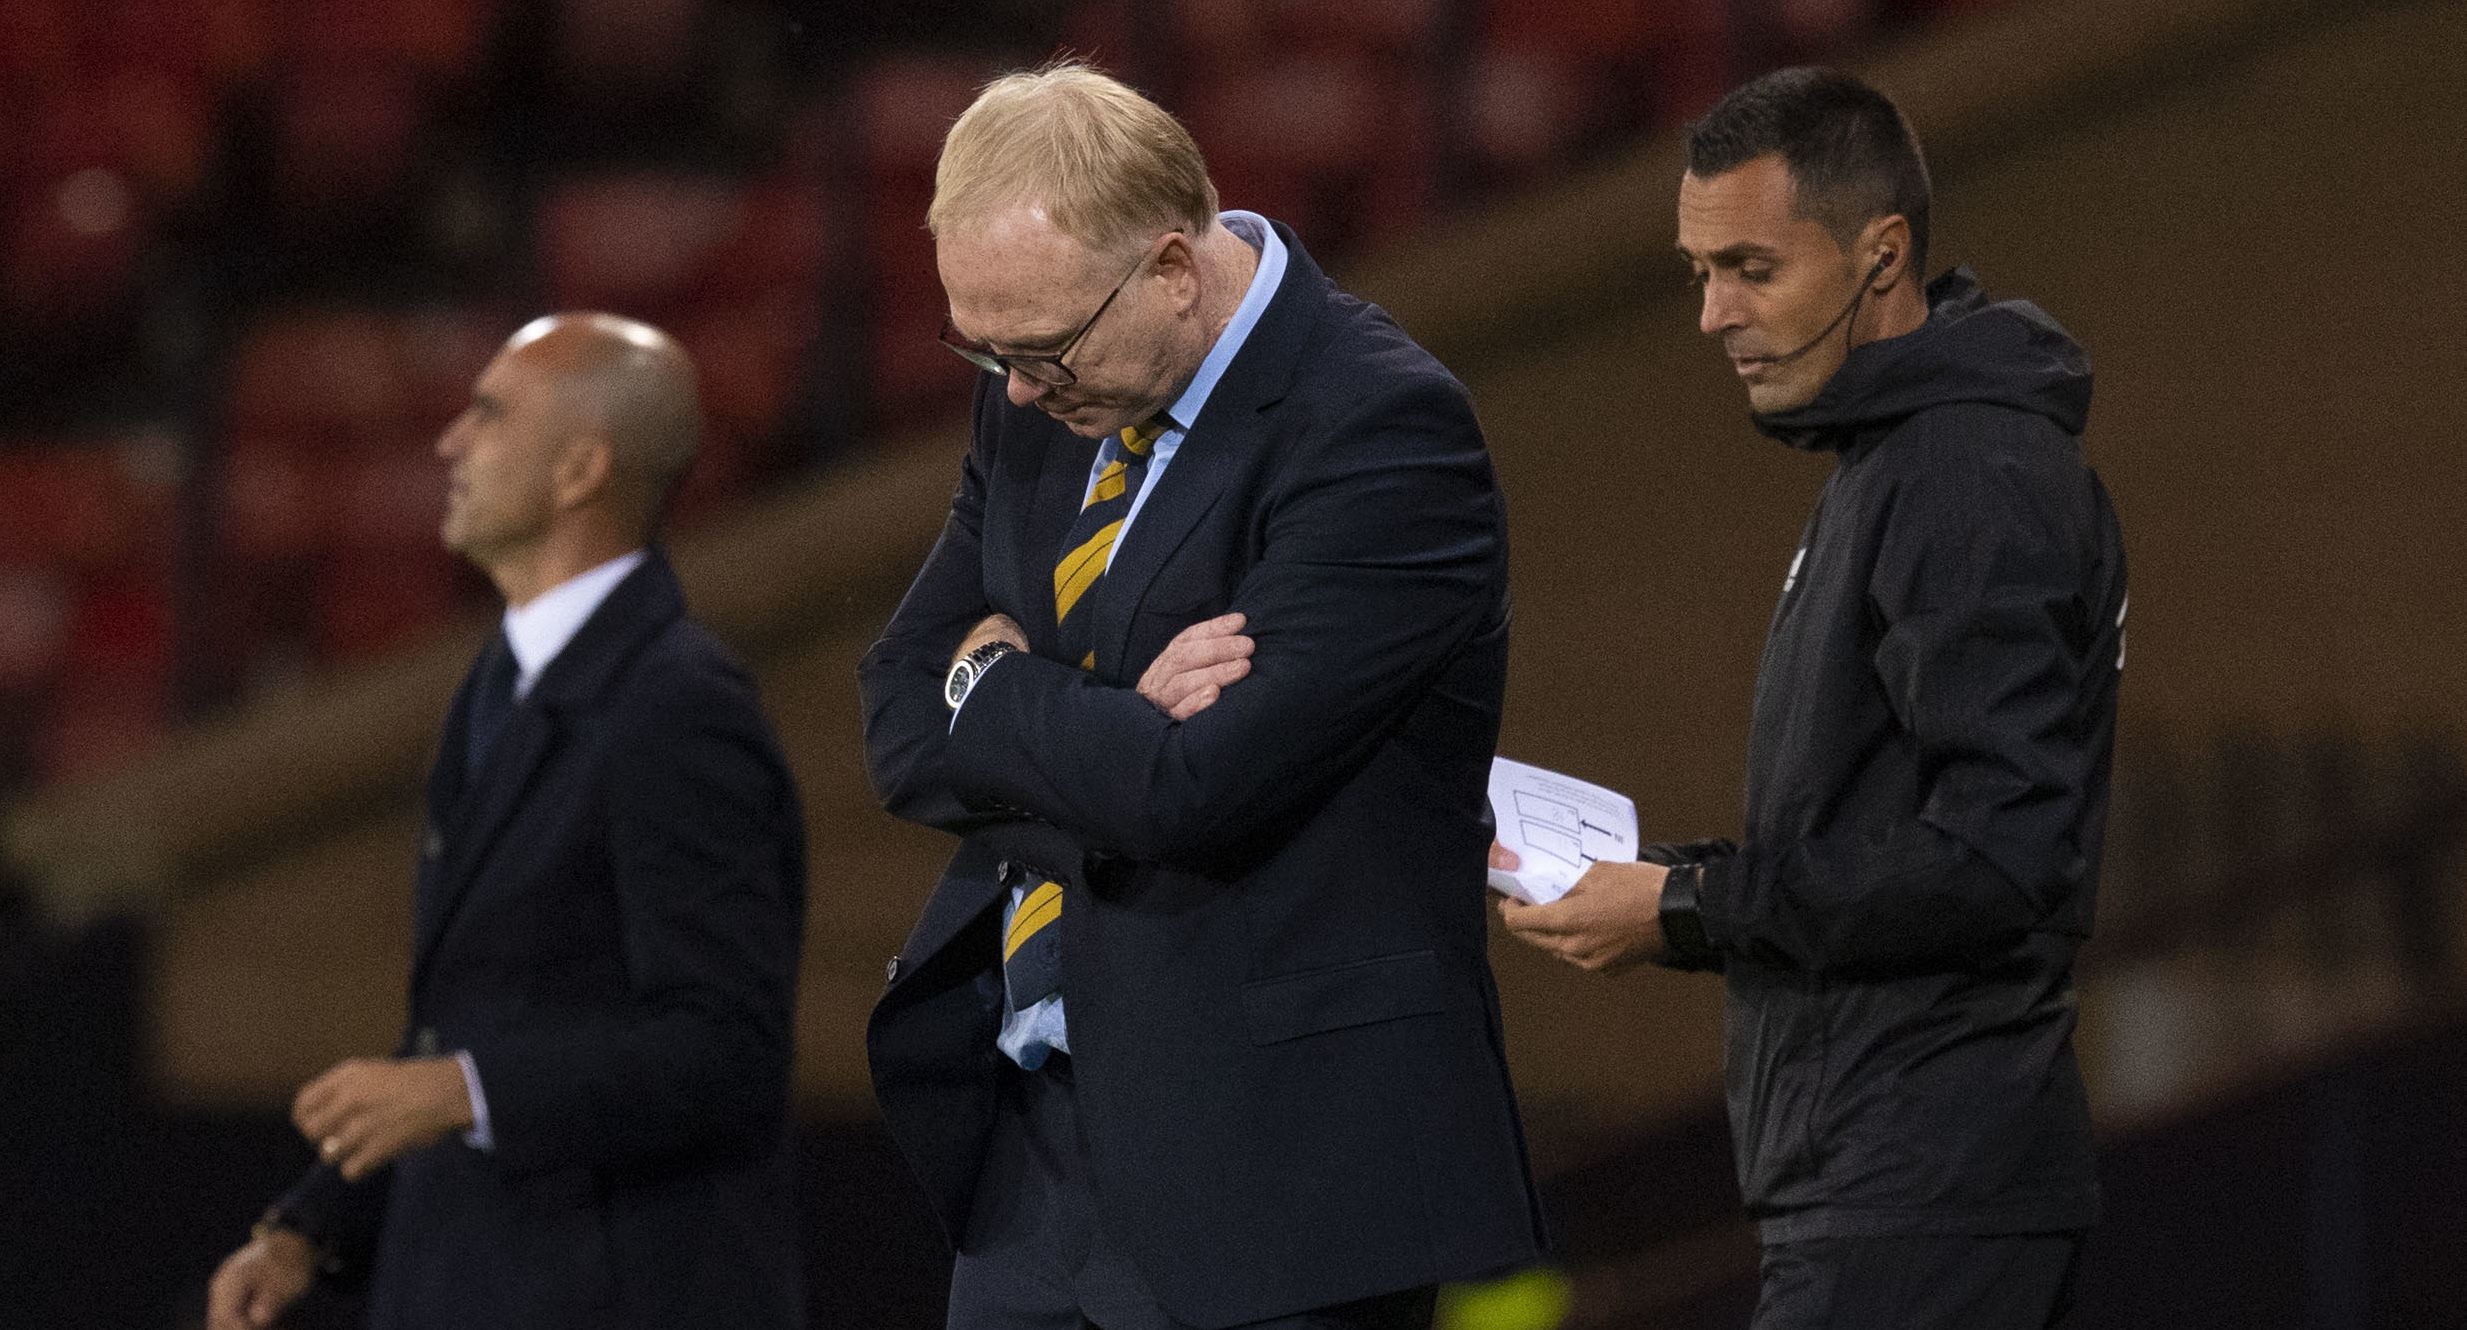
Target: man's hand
1609, 921
260, 1281
1192, 671
366, 1111
992, 628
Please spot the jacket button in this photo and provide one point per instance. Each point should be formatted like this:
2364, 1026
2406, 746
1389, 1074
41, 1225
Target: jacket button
890, 973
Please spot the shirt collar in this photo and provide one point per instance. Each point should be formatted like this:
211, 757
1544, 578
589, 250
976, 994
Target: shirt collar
537, 631
1259, 235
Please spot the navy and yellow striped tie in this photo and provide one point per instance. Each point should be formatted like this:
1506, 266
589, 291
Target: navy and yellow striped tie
1032, 947
1031, 944
1090, 545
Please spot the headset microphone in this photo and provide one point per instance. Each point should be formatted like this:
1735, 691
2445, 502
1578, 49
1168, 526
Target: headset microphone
1848, 311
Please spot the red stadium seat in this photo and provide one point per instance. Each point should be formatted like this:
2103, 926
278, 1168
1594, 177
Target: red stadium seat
1527, 105
69, 245
606, 50
1233, 33
1807, 31
335, 367
1335, 145
387, 500
1311, 112
432, 36
904, 106
344, 133
1392, 30
174, 36
905, 103
38, 46
77, 506
111, 698
751, 358
1638, 61
242, 36
161, 125
151, 125
120, 626
442, 351
368, 603
34, 619
633, 243
1603, 31
1692, 60
271, 501
782, 242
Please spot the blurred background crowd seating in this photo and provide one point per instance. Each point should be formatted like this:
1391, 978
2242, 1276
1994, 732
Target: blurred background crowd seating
256, 250
252, 253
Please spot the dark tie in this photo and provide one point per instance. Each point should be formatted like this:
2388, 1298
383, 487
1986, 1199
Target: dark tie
492, 700
1090, 544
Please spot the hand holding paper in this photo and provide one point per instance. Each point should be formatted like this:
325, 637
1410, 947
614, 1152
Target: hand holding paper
1557, 827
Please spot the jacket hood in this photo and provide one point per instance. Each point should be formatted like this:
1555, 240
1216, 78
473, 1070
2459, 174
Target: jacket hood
2005, 353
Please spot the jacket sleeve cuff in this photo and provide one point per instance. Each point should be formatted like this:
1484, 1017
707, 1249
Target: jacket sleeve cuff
338, 1218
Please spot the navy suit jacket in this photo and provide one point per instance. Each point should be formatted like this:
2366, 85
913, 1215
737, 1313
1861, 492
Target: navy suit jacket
1283, 1026
608, 919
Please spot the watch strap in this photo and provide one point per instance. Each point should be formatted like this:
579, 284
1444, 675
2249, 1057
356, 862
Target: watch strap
1684, 944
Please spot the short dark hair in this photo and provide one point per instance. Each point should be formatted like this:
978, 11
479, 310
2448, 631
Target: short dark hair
1852, 157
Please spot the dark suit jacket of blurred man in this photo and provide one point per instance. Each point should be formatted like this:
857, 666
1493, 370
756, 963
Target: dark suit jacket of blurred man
1284, 1033
608, 918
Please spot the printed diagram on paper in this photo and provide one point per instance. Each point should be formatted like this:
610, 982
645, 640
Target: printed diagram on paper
1558, 826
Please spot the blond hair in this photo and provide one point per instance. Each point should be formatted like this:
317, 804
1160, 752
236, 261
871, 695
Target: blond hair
1110, 168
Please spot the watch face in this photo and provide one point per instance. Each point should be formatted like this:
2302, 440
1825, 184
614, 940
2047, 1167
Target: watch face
956, 686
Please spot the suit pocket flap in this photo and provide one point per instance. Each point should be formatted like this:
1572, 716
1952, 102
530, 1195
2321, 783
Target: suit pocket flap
1382, 988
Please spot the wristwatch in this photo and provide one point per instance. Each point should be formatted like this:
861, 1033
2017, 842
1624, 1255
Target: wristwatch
967, 669
1684, 944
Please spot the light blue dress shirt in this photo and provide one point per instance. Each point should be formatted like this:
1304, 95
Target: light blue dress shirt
1026, 1035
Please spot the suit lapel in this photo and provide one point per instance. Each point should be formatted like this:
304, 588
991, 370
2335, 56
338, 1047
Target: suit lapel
1211, 461
1060, 486
484, 810
470, 820
445, 793
1023, 540
969, 887
1216, 453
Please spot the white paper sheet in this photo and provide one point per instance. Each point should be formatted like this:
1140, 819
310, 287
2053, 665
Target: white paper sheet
1558, 826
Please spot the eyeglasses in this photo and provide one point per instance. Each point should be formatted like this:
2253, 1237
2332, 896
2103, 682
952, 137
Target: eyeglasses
1046, 367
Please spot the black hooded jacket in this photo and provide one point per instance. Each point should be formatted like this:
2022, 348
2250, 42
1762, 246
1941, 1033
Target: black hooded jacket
1927, 789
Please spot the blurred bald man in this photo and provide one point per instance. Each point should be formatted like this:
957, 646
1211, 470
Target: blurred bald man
585, 1124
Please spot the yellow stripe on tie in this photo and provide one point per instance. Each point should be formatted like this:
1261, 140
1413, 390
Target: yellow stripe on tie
1042, 907
1080, 569
1109, 485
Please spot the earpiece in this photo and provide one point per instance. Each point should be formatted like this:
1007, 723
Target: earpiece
1849, 311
